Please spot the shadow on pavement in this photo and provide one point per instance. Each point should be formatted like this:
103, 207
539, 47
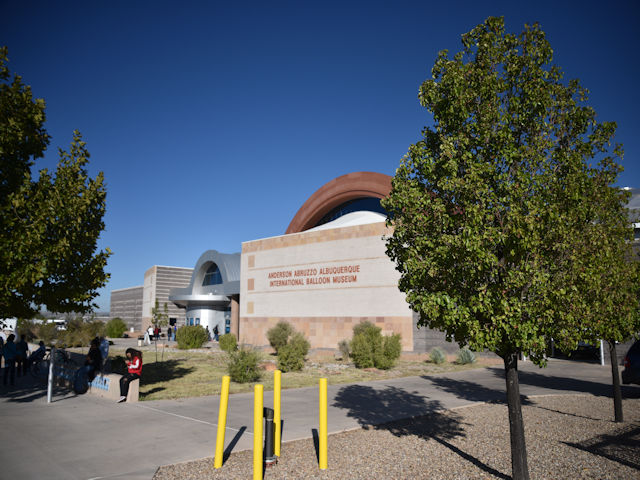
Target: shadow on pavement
229, 450
422, 418
570, 384
316, 443
28, 389
471, 391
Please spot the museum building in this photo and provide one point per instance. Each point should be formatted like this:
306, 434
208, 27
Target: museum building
327, 273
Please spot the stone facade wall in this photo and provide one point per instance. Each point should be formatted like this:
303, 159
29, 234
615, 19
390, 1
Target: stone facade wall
323, 282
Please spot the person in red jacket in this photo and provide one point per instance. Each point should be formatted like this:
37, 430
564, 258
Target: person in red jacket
134, 367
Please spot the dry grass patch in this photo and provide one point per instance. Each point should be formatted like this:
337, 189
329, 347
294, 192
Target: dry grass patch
182, 374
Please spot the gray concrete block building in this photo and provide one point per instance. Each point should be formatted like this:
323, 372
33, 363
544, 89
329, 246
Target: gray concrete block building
126, 303
134, 304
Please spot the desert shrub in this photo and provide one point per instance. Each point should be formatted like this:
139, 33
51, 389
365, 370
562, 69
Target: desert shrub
366, 328
78, 333
437, 356
392, 346
242, 365
115, 327
362, 351
465, 356
370, 349
191, 336
47, 332
26, 328
228, 342
95, 328
345, 349
291, 356
278, 335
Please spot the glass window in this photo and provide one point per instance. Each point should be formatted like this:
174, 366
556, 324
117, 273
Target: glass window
368, 204
213, 276
197, 321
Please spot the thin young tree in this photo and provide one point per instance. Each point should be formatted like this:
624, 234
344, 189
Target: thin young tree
159, 319
486, 206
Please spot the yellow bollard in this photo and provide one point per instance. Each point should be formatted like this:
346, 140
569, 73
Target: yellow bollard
222, 421
258, 414
322, 430
277, 379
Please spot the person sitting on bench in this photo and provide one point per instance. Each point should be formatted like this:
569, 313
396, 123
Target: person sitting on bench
134, 367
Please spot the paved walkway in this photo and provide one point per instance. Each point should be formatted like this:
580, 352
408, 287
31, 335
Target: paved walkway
85, 437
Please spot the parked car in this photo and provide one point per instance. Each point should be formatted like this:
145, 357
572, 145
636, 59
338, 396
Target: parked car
631, 372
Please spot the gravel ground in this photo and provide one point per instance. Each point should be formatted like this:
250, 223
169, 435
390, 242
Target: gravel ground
568, 437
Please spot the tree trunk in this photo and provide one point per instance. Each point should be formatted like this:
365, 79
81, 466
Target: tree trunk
617, 392
519, 467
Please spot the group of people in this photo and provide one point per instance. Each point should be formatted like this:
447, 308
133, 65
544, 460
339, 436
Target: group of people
153, 333
16, 357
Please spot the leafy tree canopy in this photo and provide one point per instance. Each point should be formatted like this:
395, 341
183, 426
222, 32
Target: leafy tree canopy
489, 205
49, 223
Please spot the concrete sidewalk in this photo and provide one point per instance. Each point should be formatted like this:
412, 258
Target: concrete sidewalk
85, 437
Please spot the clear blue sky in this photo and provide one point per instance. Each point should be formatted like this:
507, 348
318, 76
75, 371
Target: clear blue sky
213, 122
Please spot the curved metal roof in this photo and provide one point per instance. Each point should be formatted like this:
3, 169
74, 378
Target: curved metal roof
198, 294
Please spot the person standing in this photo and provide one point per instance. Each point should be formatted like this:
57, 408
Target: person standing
169, 334
216, 333
93, 360
1, 346
9, 352
134, 370
21, 355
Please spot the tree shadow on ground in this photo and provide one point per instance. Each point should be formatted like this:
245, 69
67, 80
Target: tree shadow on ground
28, 389
158, 372
569, 384
404, 413
472, 391
621, 445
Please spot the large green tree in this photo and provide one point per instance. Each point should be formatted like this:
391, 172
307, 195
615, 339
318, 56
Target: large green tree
487, 206
608, 273
49, 223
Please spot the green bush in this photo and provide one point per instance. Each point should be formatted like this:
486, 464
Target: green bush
191, 336
243, 365
278, 336
437, 356
370, 349
115, 327
367, 328
465, 356
392, 346
228, 343
291, 356
363, 351
345, 349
